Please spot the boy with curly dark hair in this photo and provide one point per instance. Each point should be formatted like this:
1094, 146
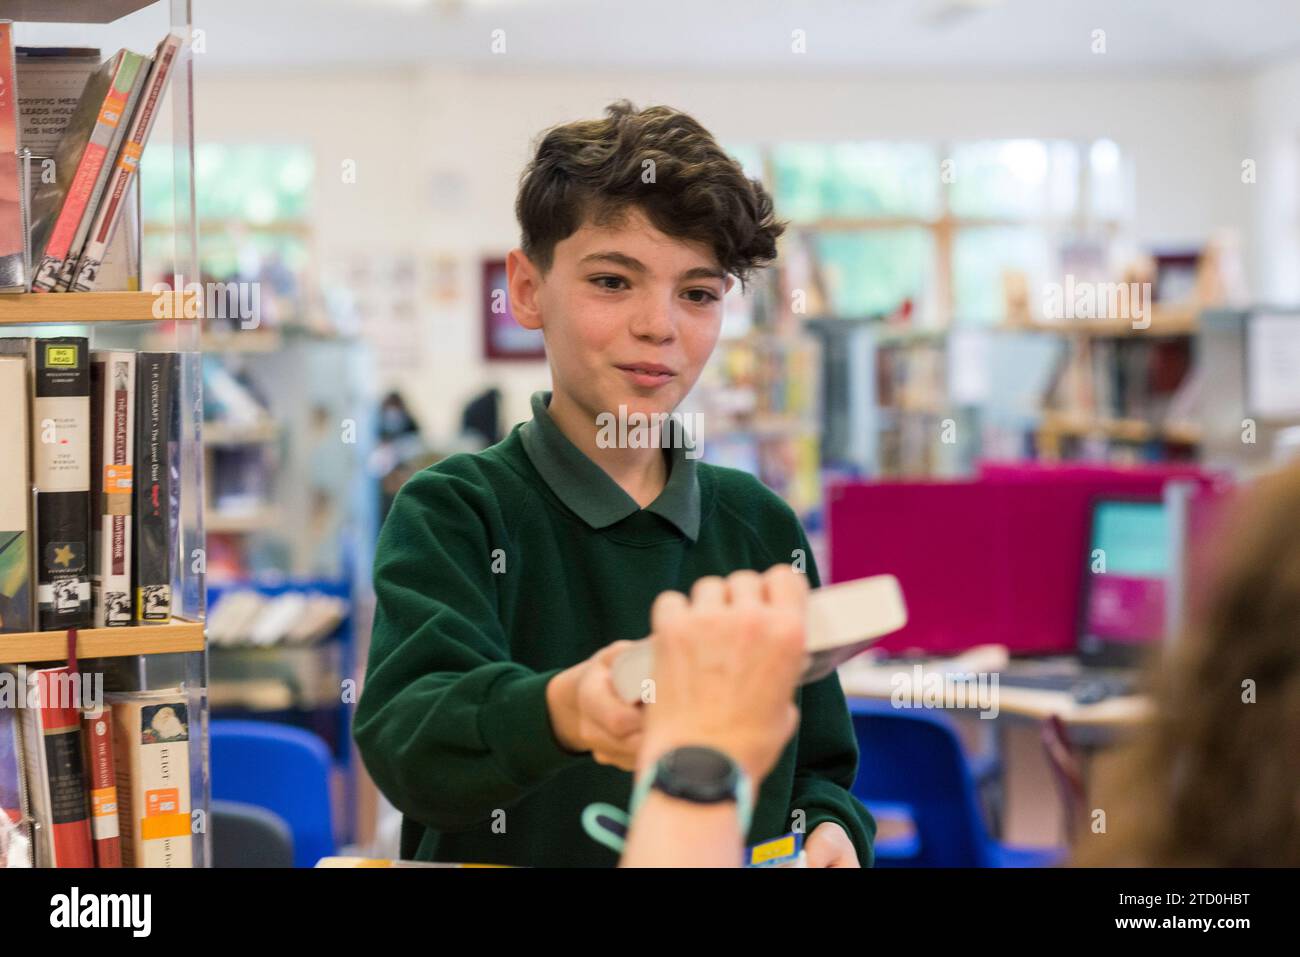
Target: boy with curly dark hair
508, 580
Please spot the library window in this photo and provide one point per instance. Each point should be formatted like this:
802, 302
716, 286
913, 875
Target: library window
950, 229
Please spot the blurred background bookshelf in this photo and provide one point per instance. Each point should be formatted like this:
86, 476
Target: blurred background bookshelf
911, 313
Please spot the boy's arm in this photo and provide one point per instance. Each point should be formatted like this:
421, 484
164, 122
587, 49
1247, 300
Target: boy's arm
449, 728
826, 759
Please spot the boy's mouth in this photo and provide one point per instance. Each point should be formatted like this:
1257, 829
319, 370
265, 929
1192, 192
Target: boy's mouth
647, 373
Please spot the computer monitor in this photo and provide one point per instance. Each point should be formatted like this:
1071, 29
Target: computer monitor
1126, 574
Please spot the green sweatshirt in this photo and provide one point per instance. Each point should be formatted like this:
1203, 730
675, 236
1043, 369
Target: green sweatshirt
496, 570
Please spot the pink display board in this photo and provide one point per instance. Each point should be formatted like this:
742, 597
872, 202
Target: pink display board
996, 559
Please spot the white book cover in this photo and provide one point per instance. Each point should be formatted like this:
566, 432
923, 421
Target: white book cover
151, 743
114, 458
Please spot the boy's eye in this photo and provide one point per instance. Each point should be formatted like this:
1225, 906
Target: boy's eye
612, 283
702, 296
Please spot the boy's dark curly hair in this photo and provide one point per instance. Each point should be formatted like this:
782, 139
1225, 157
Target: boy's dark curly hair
595, 170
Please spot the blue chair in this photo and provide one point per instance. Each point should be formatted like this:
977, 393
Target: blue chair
283, 769
911, 762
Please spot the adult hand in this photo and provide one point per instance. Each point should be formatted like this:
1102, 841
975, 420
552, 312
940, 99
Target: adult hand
726, 664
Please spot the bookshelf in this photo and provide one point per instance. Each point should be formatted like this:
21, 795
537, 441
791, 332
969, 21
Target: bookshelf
1250, 426
161, 639
758, 397
27, 309
175, 653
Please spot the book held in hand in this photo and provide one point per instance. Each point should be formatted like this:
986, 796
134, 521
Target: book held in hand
843, 620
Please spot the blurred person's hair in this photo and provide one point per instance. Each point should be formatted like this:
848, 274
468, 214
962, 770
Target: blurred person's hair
597, 170
1214, 781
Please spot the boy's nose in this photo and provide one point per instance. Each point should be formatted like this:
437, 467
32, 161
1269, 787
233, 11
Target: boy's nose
654, 322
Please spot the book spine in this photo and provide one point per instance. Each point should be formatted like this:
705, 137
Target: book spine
54, 730
151, 738
13, 200
87, 173
13, 790
61, 430
155, 412
16, 610
106, 219
113, 384
114, 146
101, 770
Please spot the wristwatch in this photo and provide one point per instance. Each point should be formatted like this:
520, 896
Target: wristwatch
700, 775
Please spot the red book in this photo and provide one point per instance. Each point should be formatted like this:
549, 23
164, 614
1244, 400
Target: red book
101, 770
55, 768
93, 133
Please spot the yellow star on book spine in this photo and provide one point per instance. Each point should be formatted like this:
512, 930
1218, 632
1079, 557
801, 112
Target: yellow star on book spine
63, 556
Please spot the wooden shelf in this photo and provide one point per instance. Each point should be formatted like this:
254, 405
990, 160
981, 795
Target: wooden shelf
28, 646
70, 11
224, 434
74, 308
240, 523
1165, 321
1123, 430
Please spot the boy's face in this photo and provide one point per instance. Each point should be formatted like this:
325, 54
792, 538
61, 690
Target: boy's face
630, 315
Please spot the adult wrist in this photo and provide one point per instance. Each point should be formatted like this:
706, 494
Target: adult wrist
657, 744
697, 773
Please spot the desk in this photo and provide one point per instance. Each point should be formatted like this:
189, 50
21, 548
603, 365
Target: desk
1013, 734
1090, 724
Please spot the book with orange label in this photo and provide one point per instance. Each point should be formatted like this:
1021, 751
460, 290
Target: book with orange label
151, 744
101, 774
86, 273
112, 437
84, 150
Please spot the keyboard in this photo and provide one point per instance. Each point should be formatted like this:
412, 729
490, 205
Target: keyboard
1109, 685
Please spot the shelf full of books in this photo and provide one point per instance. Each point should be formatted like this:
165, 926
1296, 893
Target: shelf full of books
758, 398
103, 663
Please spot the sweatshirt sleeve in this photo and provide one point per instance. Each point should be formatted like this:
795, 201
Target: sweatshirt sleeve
826, 759
449, 728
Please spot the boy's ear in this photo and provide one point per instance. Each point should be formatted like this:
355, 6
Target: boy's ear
524, 280
731, 281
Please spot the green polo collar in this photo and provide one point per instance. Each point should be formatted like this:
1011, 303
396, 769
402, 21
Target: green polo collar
588, 491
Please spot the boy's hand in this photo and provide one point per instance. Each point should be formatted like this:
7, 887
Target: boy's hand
588, 715
727, 662
829, 846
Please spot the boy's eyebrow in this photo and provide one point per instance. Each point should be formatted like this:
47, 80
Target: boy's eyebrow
635, 265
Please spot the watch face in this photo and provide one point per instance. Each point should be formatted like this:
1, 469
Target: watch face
698, 774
